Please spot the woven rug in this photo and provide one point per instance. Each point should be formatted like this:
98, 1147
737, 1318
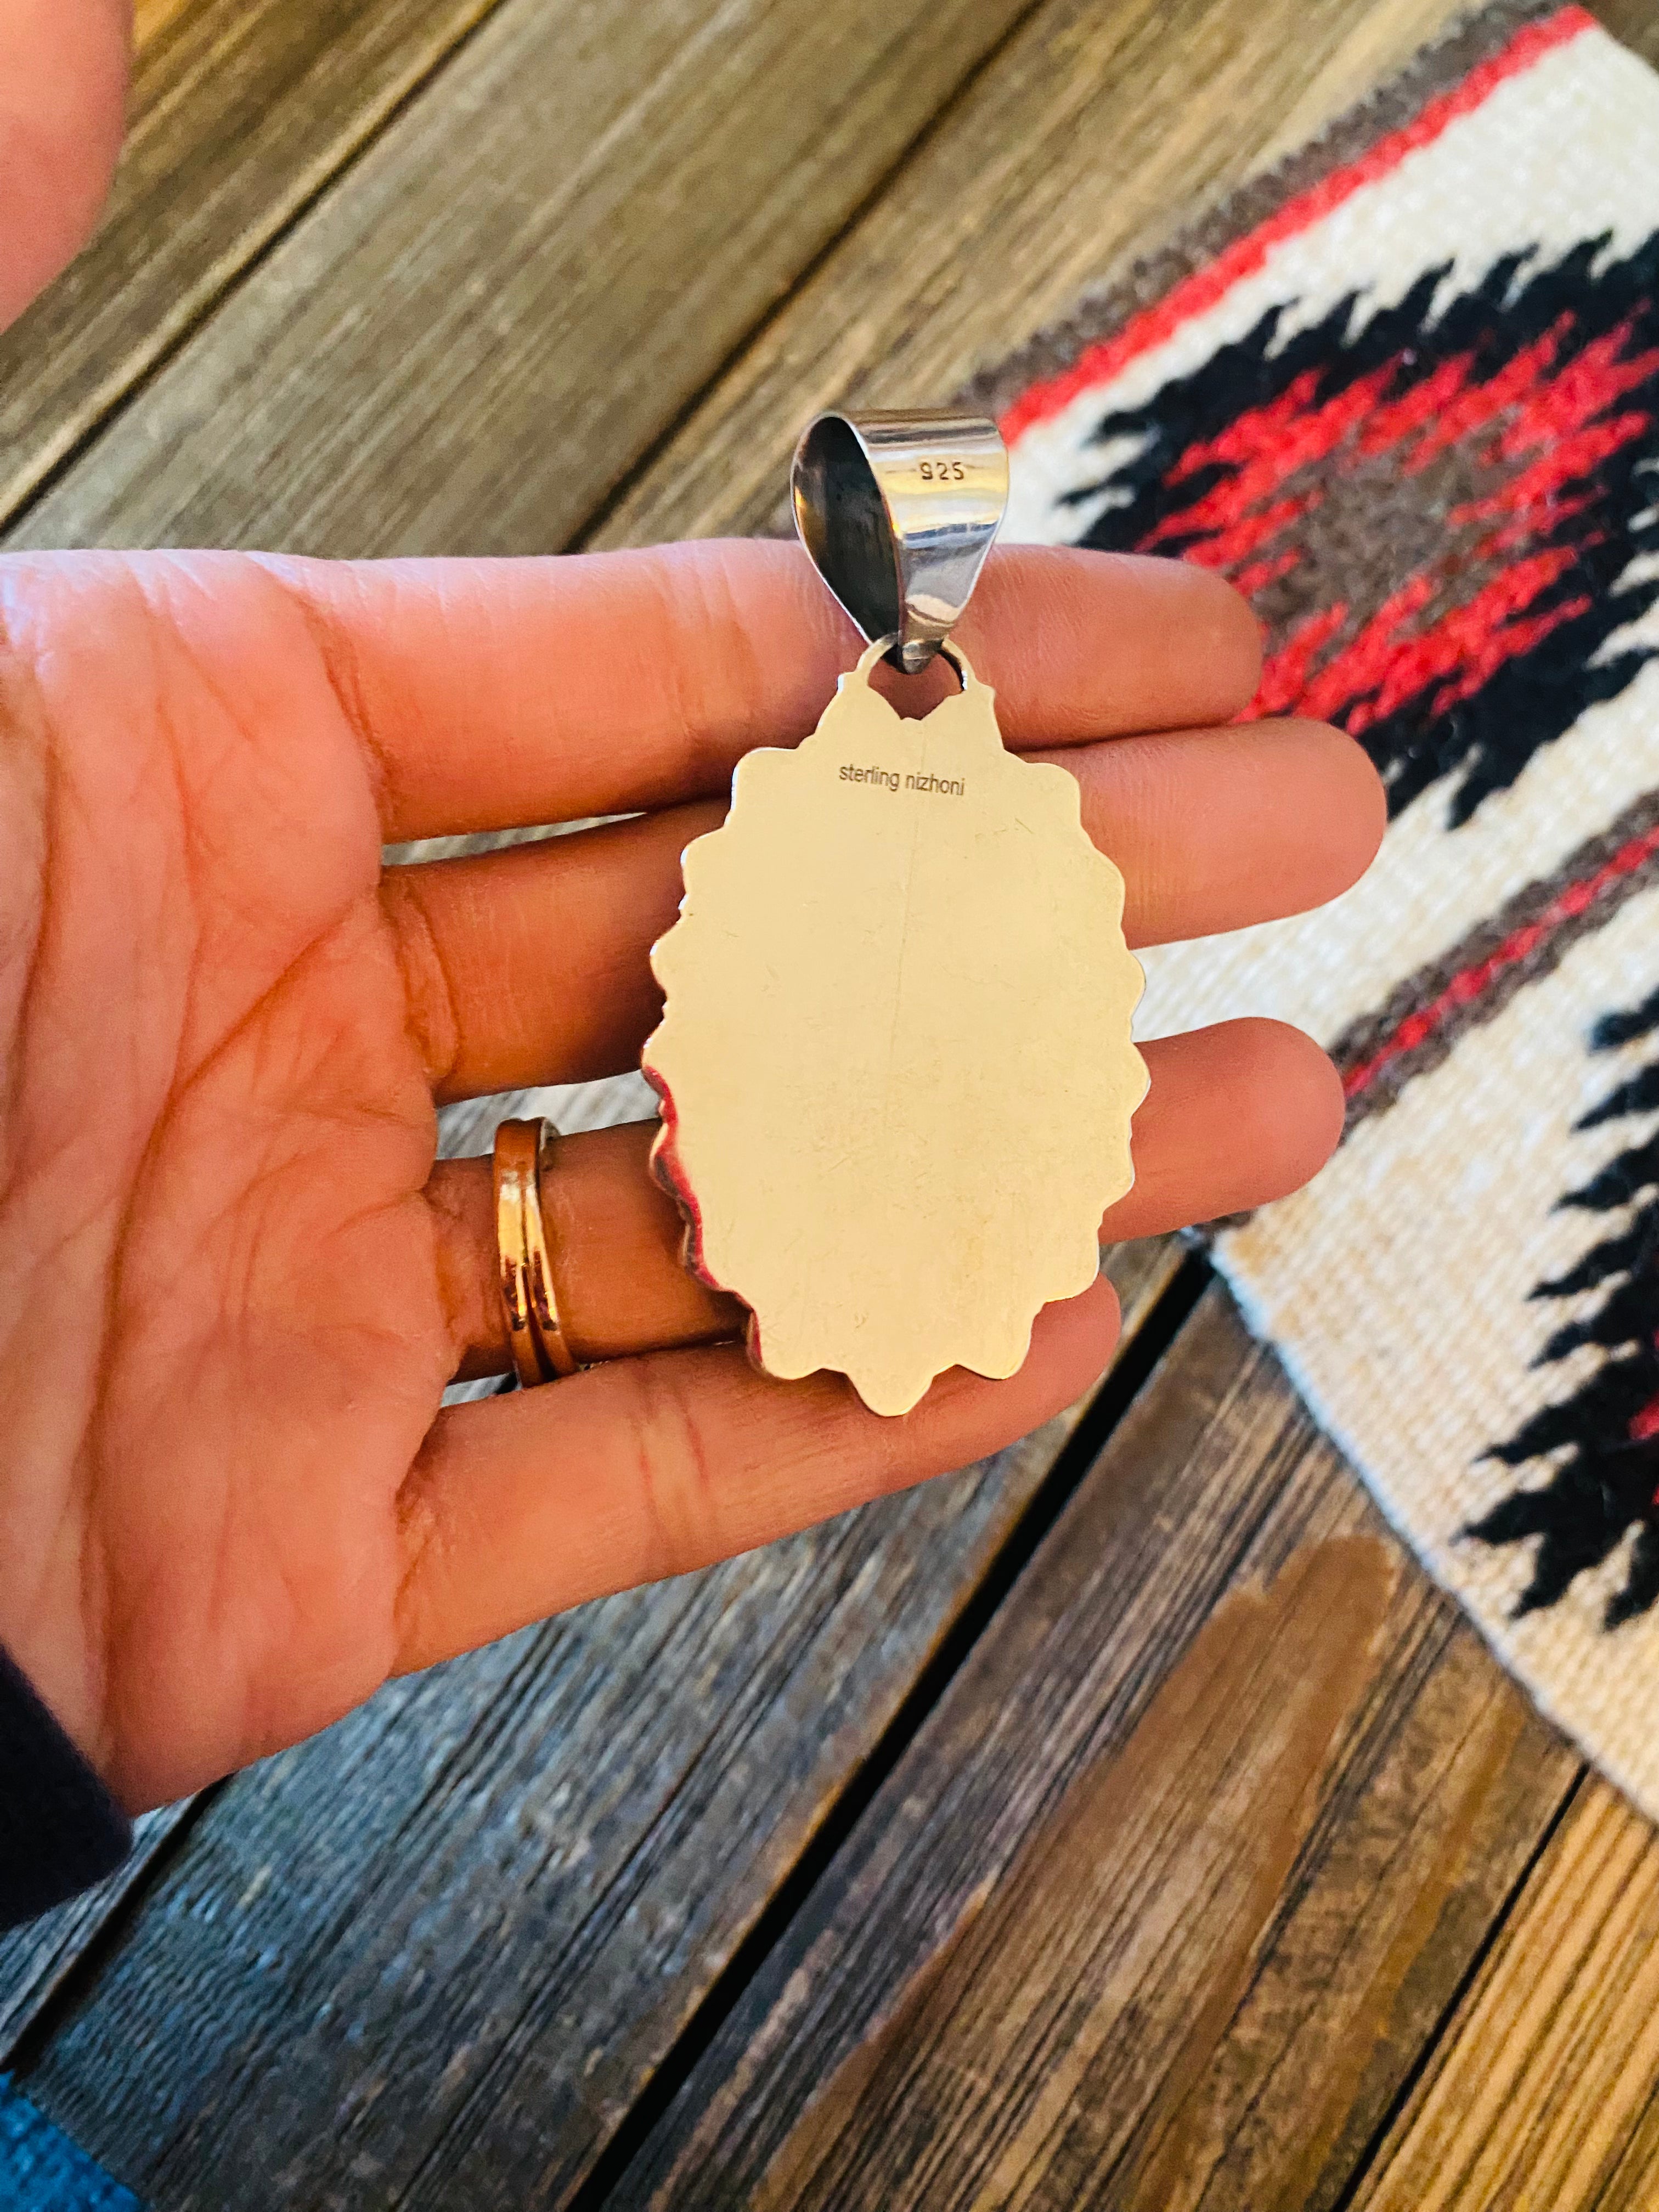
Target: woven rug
1405, 395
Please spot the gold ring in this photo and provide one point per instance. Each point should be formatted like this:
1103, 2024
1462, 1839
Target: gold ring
541, 1351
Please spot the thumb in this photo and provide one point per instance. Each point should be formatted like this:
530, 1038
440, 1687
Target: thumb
63, 88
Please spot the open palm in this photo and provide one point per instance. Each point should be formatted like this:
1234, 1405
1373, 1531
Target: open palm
233, 1284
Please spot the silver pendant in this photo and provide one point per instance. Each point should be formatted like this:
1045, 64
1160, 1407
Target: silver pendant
895, 1060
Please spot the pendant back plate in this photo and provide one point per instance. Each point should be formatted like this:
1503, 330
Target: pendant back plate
895, 1059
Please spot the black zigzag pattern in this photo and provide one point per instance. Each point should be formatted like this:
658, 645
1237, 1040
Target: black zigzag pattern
1532, 697
1607, 1432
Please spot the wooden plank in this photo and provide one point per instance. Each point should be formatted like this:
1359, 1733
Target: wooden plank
1543, 2092
526, 280
151, 17
1168, 1890
897, 309
1100, 131
240, 111
1635, 21
529, 1865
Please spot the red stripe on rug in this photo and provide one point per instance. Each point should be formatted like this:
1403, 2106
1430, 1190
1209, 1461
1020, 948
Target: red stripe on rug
1475, 981
1107, 357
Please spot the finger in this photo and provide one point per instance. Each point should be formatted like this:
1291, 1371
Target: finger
524, 1505
62, 86
615, 1238
537, 957
529, 966
496, 693
1214, 829
1237, 1115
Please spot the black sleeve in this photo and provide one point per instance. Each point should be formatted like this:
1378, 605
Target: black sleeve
60, 1830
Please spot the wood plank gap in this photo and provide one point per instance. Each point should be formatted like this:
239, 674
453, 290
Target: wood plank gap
1123, 1928
40, 474
1425, 2057
1542, 2092
641, 466
97, 1943
1141, 1356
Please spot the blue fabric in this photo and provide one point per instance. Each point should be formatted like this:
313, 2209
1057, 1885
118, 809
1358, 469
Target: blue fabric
42, 2171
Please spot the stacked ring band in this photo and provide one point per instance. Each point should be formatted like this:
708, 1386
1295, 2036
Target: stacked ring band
541, 1352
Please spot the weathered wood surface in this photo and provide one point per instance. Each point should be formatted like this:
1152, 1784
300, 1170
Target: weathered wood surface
526, 280
1635, 21
471, 1920
1165, 1897
1545, 2089
240, 111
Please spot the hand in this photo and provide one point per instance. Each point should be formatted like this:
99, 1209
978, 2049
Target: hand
233, 1284
63, 84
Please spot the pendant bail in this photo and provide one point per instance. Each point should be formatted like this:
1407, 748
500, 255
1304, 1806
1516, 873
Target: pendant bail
897, 512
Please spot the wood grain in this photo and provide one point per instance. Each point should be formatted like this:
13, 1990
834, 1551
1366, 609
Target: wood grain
467, 1923
240, 111
1635, 21
524, 281
151, 17
1165, 1897
1100, 132
1543, 2092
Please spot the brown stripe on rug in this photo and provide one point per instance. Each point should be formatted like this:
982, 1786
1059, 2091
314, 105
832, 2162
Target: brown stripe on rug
1420, 1021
